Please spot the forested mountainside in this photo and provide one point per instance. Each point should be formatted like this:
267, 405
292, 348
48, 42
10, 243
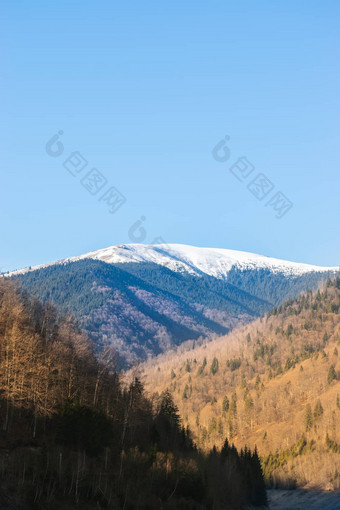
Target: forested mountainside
144, 301
273, 384
73, 435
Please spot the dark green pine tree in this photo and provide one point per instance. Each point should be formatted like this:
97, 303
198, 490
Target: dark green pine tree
258, 491
225, 404
168, 431
214, 366
233, 405
230, 452
308, 418
331, 374
318, 409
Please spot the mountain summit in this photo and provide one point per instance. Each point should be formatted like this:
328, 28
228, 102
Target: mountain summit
215, 262
147, 299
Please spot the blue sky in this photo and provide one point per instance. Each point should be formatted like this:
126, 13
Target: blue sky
144, 91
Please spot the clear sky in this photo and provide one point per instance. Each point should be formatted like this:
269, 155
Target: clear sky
143, 91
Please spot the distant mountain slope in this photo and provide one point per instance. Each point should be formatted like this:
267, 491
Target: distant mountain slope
144, 300
274, 383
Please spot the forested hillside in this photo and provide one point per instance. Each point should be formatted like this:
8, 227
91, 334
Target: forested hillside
273, 384
145, 308
73, 435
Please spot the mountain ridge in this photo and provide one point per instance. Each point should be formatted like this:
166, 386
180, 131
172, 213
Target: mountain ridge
181, 255
147, 299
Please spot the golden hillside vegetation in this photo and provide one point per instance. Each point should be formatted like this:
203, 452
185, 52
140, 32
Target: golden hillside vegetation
273, 383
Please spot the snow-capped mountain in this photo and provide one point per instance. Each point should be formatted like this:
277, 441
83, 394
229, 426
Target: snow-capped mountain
145, 299
184, 258
211, 261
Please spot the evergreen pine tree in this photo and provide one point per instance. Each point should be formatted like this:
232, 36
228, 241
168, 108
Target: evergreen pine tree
308, 418
318, 409
214, 366
331, 374
225, 404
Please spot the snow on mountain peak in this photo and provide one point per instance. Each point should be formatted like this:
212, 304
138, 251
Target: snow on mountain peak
215, 262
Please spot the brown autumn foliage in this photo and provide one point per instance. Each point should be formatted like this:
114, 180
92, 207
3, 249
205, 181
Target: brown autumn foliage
45, 361
73, 436
273, 384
